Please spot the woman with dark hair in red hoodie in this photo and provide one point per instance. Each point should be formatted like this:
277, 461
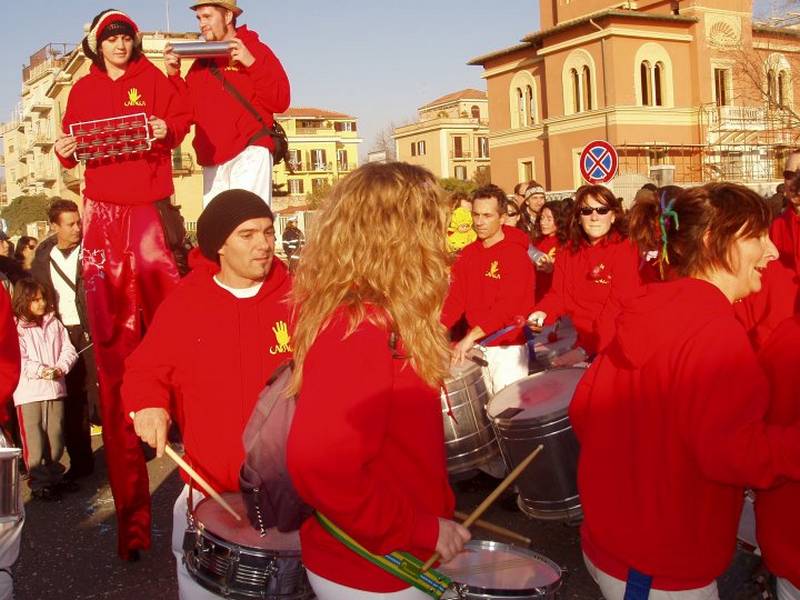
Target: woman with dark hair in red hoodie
595, 271
671, 416
128, 267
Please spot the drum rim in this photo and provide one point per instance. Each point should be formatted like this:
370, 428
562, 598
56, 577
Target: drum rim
539, 418
505, 592
202, 530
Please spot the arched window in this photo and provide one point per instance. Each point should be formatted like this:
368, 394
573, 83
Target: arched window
578, 81
777, 83
653, 75
586, 80
771, 95
644, 71
522, 95
476, 112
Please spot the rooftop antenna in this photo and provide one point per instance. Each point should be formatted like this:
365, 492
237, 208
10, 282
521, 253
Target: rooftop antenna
169, 29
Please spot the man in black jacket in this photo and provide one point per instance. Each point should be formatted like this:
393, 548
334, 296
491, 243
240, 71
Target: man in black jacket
57, 265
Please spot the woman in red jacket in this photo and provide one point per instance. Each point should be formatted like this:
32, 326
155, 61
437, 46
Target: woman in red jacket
550, 234
671, 416
777, 525
366, 448
128, 267
595, 271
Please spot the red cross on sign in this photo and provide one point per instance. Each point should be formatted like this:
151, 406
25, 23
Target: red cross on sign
599, 162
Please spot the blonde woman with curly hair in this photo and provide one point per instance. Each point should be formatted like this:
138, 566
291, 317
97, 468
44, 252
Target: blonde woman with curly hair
366, 448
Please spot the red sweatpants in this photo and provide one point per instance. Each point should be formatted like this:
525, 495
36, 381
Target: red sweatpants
127, 270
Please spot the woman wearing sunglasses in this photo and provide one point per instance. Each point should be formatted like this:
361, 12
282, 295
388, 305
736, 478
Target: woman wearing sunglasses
596, 270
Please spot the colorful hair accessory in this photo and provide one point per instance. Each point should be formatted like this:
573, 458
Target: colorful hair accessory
667, 213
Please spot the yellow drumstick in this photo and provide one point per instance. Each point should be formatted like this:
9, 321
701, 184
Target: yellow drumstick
198, 479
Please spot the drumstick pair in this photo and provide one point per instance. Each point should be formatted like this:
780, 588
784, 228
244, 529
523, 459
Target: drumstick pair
196, 477
470, 520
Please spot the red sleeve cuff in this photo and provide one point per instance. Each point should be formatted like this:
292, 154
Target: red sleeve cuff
425, 533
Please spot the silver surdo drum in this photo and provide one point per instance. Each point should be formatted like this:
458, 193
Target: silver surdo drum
468, 436
231, 558
530, 412
10, 510
553, 341
490, 570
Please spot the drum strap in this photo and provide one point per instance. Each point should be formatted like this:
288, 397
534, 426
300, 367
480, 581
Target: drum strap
638, 585
400, 564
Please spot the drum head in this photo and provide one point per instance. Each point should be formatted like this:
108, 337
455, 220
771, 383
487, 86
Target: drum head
218, 521
536, 396
565, 339
504, 570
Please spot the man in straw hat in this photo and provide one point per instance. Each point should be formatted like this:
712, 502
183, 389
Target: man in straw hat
233, 299
231, 142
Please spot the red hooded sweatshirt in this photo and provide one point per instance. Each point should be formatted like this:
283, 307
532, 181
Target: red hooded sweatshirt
550, 245
223, 127
777, 524
589, 284
492, 286
785, 234
670, 419
779, 298
214, 352
366, 449
9, 357
129, 179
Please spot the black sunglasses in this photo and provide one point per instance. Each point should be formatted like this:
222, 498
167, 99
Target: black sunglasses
511, 213
587, 211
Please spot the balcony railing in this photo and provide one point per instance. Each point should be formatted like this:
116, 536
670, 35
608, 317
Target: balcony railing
182, 164
342, 167
296, 166
314, 130
45, 175
43, 140
736, 118
463, 155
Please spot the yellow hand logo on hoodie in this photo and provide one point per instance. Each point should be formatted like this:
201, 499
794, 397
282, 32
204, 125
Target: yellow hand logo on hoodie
135, 98
282, 337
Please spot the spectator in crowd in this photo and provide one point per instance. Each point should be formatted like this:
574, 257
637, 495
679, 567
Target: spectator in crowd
595, 272
26, 248
47, 356
292, 239
235, 100
10, 270
57, 266
534, 201
785, 229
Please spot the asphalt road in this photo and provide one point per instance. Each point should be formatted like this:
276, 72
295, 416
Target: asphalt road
68, 548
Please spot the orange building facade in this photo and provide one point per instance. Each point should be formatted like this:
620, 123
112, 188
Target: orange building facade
688, 91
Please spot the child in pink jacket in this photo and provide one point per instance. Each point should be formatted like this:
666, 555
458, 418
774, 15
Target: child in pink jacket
47, 355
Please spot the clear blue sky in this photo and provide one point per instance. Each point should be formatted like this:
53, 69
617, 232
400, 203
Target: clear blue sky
377, 60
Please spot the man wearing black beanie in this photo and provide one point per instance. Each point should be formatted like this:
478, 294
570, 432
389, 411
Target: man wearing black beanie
213, 344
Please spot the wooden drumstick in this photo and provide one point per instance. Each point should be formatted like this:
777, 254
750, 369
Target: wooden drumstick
487, 526
198, 479
470, 520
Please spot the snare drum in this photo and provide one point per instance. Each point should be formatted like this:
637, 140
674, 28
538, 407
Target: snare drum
10, 509
231, 559
530, 412
468, 436
490, 570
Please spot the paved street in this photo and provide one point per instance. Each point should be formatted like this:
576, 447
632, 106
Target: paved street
69, 546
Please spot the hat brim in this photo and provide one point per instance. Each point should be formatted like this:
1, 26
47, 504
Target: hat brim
235, 10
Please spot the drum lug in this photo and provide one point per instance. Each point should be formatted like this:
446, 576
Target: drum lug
456, 591
271, 568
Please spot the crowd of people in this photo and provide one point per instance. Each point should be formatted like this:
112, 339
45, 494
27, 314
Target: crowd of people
685, 308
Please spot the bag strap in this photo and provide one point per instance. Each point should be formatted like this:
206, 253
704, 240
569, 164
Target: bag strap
402, 565
63, 276
238, 95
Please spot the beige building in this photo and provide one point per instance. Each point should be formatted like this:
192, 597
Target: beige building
687, 90
323, 148
451, 136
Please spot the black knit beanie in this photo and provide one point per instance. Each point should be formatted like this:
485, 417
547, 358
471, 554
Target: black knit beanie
223, 215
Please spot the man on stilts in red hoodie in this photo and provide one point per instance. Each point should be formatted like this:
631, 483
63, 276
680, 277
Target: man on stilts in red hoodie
491, 284
213, 344
234, 99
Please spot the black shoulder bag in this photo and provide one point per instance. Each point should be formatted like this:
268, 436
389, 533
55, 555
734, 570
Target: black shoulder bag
275, 131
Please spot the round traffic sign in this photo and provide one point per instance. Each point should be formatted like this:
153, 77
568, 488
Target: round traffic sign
599, 162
